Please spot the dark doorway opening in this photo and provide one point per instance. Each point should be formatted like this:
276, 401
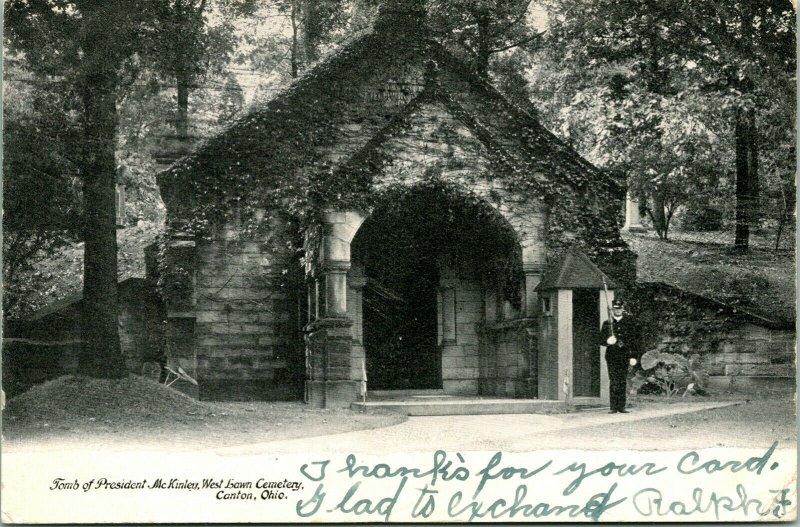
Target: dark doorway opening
400, 328
585, 346
410, 237
399, 300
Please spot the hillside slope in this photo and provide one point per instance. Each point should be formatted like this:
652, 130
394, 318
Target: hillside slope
761, 282
62, 275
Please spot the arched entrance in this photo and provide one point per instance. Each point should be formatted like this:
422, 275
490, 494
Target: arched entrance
431, 261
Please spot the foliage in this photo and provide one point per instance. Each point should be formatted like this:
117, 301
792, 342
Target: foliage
761, 282
41, 189
186, 45
482, 29
653, 90
703, 217
305, 28
100, 48
143, 103
674, 373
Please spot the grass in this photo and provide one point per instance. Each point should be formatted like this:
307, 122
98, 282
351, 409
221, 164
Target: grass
136, 412
761, 281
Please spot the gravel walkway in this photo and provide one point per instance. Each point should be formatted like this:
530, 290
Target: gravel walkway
511, 432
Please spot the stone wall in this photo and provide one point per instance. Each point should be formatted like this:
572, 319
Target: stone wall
48, 345
247, 339
507, 359
740, 352
460, 309
435, 143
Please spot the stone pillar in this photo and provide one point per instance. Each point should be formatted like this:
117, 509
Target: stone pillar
604, 306
564, 366
329, 382
533, 262
633, 222
179, 298
336, 289
356, 280
533, 258
332, 382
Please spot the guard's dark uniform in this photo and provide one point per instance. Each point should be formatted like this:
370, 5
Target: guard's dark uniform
618, 357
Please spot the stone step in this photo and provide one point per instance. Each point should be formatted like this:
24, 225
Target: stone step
462, 406
406, 393
587, 403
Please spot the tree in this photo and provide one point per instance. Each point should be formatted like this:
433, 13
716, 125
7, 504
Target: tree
96, 48
483, 29
42, 192
186, 47
477, 30
309, 26
607, 91
736, 56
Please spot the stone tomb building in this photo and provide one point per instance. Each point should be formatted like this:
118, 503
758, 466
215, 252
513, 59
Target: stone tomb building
279, 278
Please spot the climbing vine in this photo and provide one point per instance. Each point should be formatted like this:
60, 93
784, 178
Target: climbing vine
278, 162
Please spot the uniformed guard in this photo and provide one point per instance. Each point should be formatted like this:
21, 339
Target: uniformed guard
620, 336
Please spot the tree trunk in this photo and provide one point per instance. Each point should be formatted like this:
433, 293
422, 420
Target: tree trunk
310, 32
484, 48
746, 176
293, 52
101, 352
182, 121
658, 215
788, 204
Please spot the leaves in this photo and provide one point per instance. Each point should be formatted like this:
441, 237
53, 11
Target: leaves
650, 89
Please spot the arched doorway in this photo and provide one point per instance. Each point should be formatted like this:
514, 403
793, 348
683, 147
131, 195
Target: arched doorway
432, 257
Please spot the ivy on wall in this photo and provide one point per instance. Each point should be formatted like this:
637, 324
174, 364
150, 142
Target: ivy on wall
295, 157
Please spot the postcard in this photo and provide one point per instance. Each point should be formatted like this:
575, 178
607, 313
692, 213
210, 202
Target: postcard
403, 261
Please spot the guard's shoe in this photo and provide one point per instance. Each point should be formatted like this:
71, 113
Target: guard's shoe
623, 411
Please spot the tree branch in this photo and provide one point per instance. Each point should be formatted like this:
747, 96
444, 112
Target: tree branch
518, 43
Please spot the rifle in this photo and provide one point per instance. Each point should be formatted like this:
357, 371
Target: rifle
608, 308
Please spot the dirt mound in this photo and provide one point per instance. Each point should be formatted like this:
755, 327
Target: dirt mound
105, 400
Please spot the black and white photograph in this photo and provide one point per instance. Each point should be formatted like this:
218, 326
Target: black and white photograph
404, 261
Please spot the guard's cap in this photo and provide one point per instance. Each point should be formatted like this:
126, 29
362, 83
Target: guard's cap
617, 302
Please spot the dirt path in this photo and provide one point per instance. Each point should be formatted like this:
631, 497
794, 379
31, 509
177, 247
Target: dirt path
674, 425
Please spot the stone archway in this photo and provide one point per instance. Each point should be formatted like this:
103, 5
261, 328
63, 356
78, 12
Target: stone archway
427, 259
484, 342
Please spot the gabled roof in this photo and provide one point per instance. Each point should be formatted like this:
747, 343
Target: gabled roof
318, 114
574, 270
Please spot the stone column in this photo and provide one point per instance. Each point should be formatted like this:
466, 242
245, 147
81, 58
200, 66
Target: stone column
565, 351
336, 289
329, 338
180, 277
339, 228
633, 222
355, 311
533, 258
